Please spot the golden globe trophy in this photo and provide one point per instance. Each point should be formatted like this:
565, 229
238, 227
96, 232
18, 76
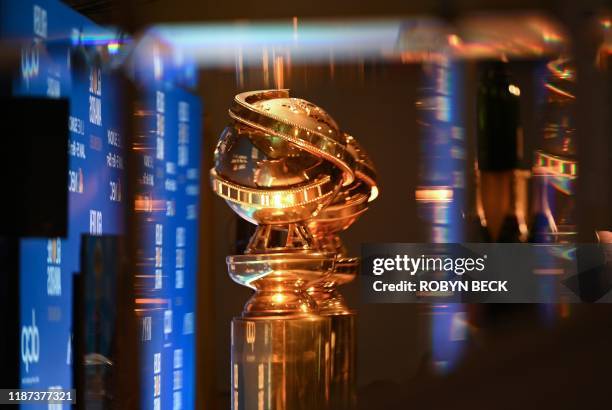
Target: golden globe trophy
278, 164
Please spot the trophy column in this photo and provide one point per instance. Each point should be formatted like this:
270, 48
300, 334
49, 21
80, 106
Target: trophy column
280, 364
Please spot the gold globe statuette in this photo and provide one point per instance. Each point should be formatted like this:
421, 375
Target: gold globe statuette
278, 164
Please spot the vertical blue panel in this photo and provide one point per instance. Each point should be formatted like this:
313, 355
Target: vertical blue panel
190, 130
170, 178
555, 172
442, 164
45, 30
442, 171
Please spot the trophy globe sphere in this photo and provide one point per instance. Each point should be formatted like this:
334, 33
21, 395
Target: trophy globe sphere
278, 164
272, 162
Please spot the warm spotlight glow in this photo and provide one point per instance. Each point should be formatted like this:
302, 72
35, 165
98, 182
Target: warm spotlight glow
454, 40
283, 200
278, 298
434, 194
559, 91
373, 193
514, 90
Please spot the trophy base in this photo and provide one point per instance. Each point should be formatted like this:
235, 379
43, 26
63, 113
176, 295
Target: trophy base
280, 281
280, 364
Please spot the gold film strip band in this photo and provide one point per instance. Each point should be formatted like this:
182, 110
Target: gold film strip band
264, 198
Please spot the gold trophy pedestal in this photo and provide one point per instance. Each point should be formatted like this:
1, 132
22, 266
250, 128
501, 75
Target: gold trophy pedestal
281, 364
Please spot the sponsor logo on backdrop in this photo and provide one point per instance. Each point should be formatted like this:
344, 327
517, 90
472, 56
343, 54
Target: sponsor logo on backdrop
30, 343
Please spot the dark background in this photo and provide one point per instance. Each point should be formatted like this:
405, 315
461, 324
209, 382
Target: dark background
375, 102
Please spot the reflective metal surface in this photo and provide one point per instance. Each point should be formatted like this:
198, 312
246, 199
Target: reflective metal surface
279, 163
284, 164
280, 364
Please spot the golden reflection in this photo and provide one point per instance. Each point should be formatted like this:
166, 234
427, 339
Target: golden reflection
278, 298
279, 72
434, 194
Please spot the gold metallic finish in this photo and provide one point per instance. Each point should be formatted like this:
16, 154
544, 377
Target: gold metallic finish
280, 281
281, 364
297, 121
351, 201
364, 167
273, 182
249, 269
277, 199
325, 292
284, 164
336, 218
273, 167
